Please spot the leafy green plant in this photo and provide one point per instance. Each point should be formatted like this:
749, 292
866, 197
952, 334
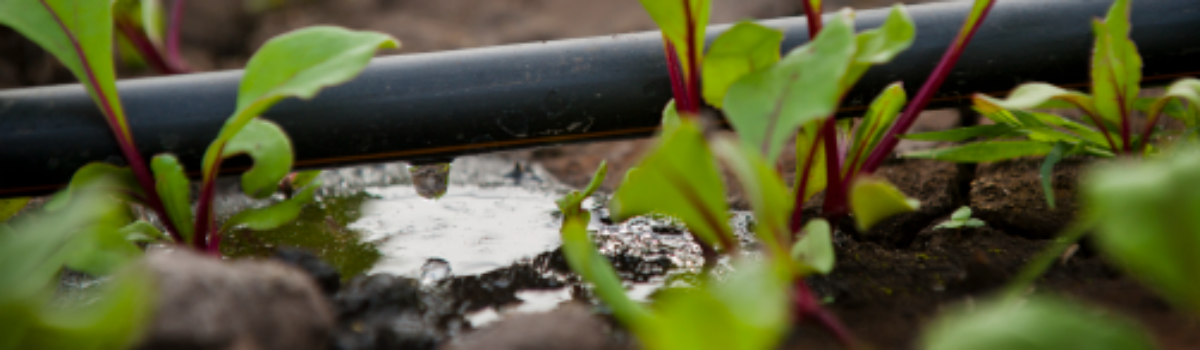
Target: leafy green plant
747, 310
33, 249
148, 36
296, 64
1021, 130
960, 219
1039, 323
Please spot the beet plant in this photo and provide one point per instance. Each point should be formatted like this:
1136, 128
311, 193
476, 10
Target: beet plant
147, 34
297, 64
1022, 128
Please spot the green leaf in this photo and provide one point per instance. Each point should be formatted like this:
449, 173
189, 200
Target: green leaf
119, 181
153, 23
745, 48
1040, 323
679, 178
810, 152
79, 33
873, 199
815, 248
9, 207
764, 188
1037, 95
1047, 171
116, 320
683, 23
746, 311
670, 118
175, 191
275, 215
571, 204
296, 64
271, 150
962, 214
102, 247
881, 45
766, 107
989, 151
303, 178
141, 231
875, 123
1182, 90
1148, 223
974, 223
965, 133
585, 260
1116, 65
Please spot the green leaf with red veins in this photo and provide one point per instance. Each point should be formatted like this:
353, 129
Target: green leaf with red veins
875, 123
79, 34
175, 191
766, 107
810, 154
881, 45
746, 311
1116, 65
1037, 323
684, 23
271, 150
679, 178
296, 64
745, 48
764, 188
873, 199
1147, 221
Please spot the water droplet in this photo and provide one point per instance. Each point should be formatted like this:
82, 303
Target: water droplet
430, 180
434, 270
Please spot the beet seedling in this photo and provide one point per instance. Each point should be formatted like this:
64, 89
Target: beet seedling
961, 219
296, 64
1107, 130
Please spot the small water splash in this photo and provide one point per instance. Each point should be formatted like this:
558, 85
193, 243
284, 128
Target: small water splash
430, 180
434, 270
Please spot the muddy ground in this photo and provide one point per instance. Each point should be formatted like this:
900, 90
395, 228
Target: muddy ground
888, 282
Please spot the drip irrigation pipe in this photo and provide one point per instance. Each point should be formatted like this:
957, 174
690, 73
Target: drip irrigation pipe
432, 106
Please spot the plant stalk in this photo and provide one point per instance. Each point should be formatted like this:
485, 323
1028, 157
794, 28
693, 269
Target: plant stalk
174, 58
143, 46
906, 120
808, 308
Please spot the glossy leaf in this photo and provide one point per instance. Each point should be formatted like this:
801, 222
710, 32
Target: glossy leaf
175, 191
989, 151
765, 190
679, 178
1037, 95
271, 150
272, 216
875, 123
79, 34
1040, 323
873, 199
1148, 221
683, 22
9, 207
766, 107
296, 64
1116, 65
1047, 170
881, 45
745, 48
815, 248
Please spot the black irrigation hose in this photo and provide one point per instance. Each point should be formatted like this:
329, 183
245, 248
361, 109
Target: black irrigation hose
439, 105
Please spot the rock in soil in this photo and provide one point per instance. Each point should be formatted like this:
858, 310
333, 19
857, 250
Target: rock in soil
1009, 196
571, 326
207, 303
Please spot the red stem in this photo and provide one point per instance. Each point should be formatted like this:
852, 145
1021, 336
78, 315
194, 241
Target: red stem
124, 139
835, 194
1146, 132
1126, 142
808, 308
172, 39
678, 88
813, 15
206, 238
693, 77
906, 120
798, 210
143, 45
